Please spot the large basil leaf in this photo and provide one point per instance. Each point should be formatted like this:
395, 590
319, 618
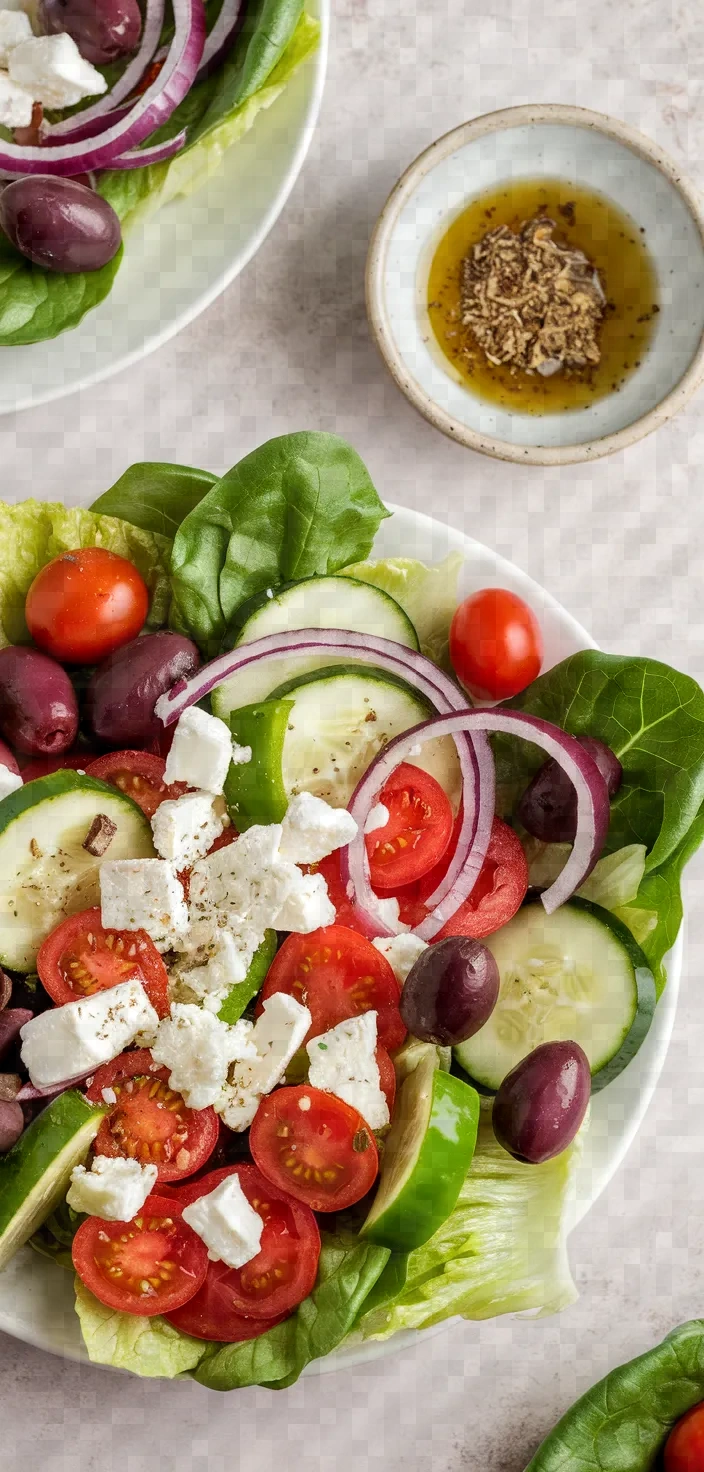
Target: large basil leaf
154, 496
623, 1422
300, 504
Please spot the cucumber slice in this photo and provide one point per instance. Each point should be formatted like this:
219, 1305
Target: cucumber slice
34, 1175
576, 974
428, 1153
313, 603
241, 994
45, 873
254, 790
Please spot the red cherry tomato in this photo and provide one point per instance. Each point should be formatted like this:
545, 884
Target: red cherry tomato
417, 833
43, 766
150, 1265
496, 646
315, 1147
684, 1448
209, 1314
149, 1121
337, 973
387, 1077
330, 870
140, 774
80, 958
284, 1270
498, 892
86, 603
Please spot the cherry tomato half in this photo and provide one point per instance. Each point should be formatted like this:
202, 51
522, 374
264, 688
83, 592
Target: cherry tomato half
209, 1314
387, 1077
80, 958
149, 1121
498, 893
140, 774
496, 646
86, 603
315, 1147
284, 1270
337, 973
417, 833
684, 1448
150, 1265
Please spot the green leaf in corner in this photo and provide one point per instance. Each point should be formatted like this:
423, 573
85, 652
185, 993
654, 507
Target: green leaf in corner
146, 1346
155, 496
267, 31
36, 305
655, 915
300, 504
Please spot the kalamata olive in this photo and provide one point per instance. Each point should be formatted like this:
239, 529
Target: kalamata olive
7, 759
450, 991
542, 1102
10, 1085
104, 30
11, 1020
59, 224
38, 707
548, 807
125, 687
11, 1124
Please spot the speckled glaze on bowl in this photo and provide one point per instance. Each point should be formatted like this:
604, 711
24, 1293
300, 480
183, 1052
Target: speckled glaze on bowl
591, 150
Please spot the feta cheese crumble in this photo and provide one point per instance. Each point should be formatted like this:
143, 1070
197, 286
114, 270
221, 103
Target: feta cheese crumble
277, 1034
114, 1188
15, 104
312, 829
201, 751
227, 963
307, 905
197, 1048
401, 951
53, 71
184, 828
144, 894
225, 1221
389, 912
70, 1040
9, 781
377, 817
343, 1062
14, 27
241, 755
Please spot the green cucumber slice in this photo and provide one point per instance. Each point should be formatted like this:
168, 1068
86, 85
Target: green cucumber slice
241, 994
428, 1153
254, 790
312, 603
45, 873
35, 1173
576, 974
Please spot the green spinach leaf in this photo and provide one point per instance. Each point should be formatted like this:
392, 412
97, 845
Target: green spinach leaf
267, 30
660, 900
623, 1422
36, 305
154, 496
300, 504
348, 1270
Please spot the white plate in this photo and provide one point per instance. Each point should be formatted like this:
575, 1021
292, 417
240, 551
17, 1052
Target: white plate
184, 256
36, 1297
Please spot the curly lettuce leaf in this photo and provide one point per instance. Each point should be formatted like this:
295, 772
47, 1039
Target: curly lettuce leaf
32, 532
427, 594
146, 1346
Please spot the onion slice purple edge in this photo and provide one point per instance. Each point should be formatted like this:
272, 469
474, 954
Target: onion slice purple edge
50, 1091
220, 39
69, 129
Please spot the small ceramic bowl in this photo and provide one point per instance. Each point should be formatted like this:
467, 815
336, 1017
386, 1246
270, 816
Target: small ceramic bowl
589, 150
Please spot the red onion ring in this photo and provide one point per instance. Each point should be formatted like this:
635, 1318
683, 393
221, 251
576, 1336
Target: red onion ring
132, 75
220, 39
50, 1091
159, 153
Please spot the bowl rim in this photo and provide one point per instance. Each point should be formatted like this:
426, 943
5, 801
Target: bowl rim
443, 147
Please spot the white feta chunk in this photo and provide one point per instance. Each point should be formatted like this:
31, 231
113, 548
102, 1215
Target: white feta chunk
184, 828
241, 755
225, 1221
144, 894
377, 817
277, 1034
307, 905
343, 1062
197, 1048
70, 1040
53, 71
14, 27
115, 1188
201, 751
227, 963
312, 829
401, 951
9, 781
15, 104
389, 912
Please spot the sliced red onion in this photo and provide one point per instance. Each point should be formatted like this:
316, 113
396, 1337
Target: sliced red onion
219, 42
148, 113
50, 1091
125, 84
139, 158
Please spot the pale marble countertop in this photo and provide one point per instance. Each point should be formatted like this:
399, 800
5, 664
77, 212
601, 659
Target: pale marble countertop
619, 542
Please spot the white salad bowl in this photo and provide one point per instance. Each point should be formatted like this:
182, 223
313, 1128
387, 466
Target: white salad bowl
181, 258
36, 1296
590, 151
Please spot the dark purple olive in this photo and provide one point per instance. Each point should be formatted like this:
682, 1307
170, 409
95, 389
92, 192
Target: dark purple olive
104, 30
11, 1124
125, 687
450, 992
38, 707
548, 807
10, 1085
542, 1102
59, 224
7, 759
11, 1020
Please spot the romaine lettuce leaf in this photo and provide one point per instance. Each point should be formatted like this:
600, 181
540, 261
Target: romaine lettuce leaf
427, 594
502, 1250
32, 532
146, 1346
614, 880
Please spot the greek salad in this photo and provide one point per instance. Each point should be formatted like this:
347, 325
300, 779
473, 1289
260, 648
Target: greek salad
324, 910
109, 108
